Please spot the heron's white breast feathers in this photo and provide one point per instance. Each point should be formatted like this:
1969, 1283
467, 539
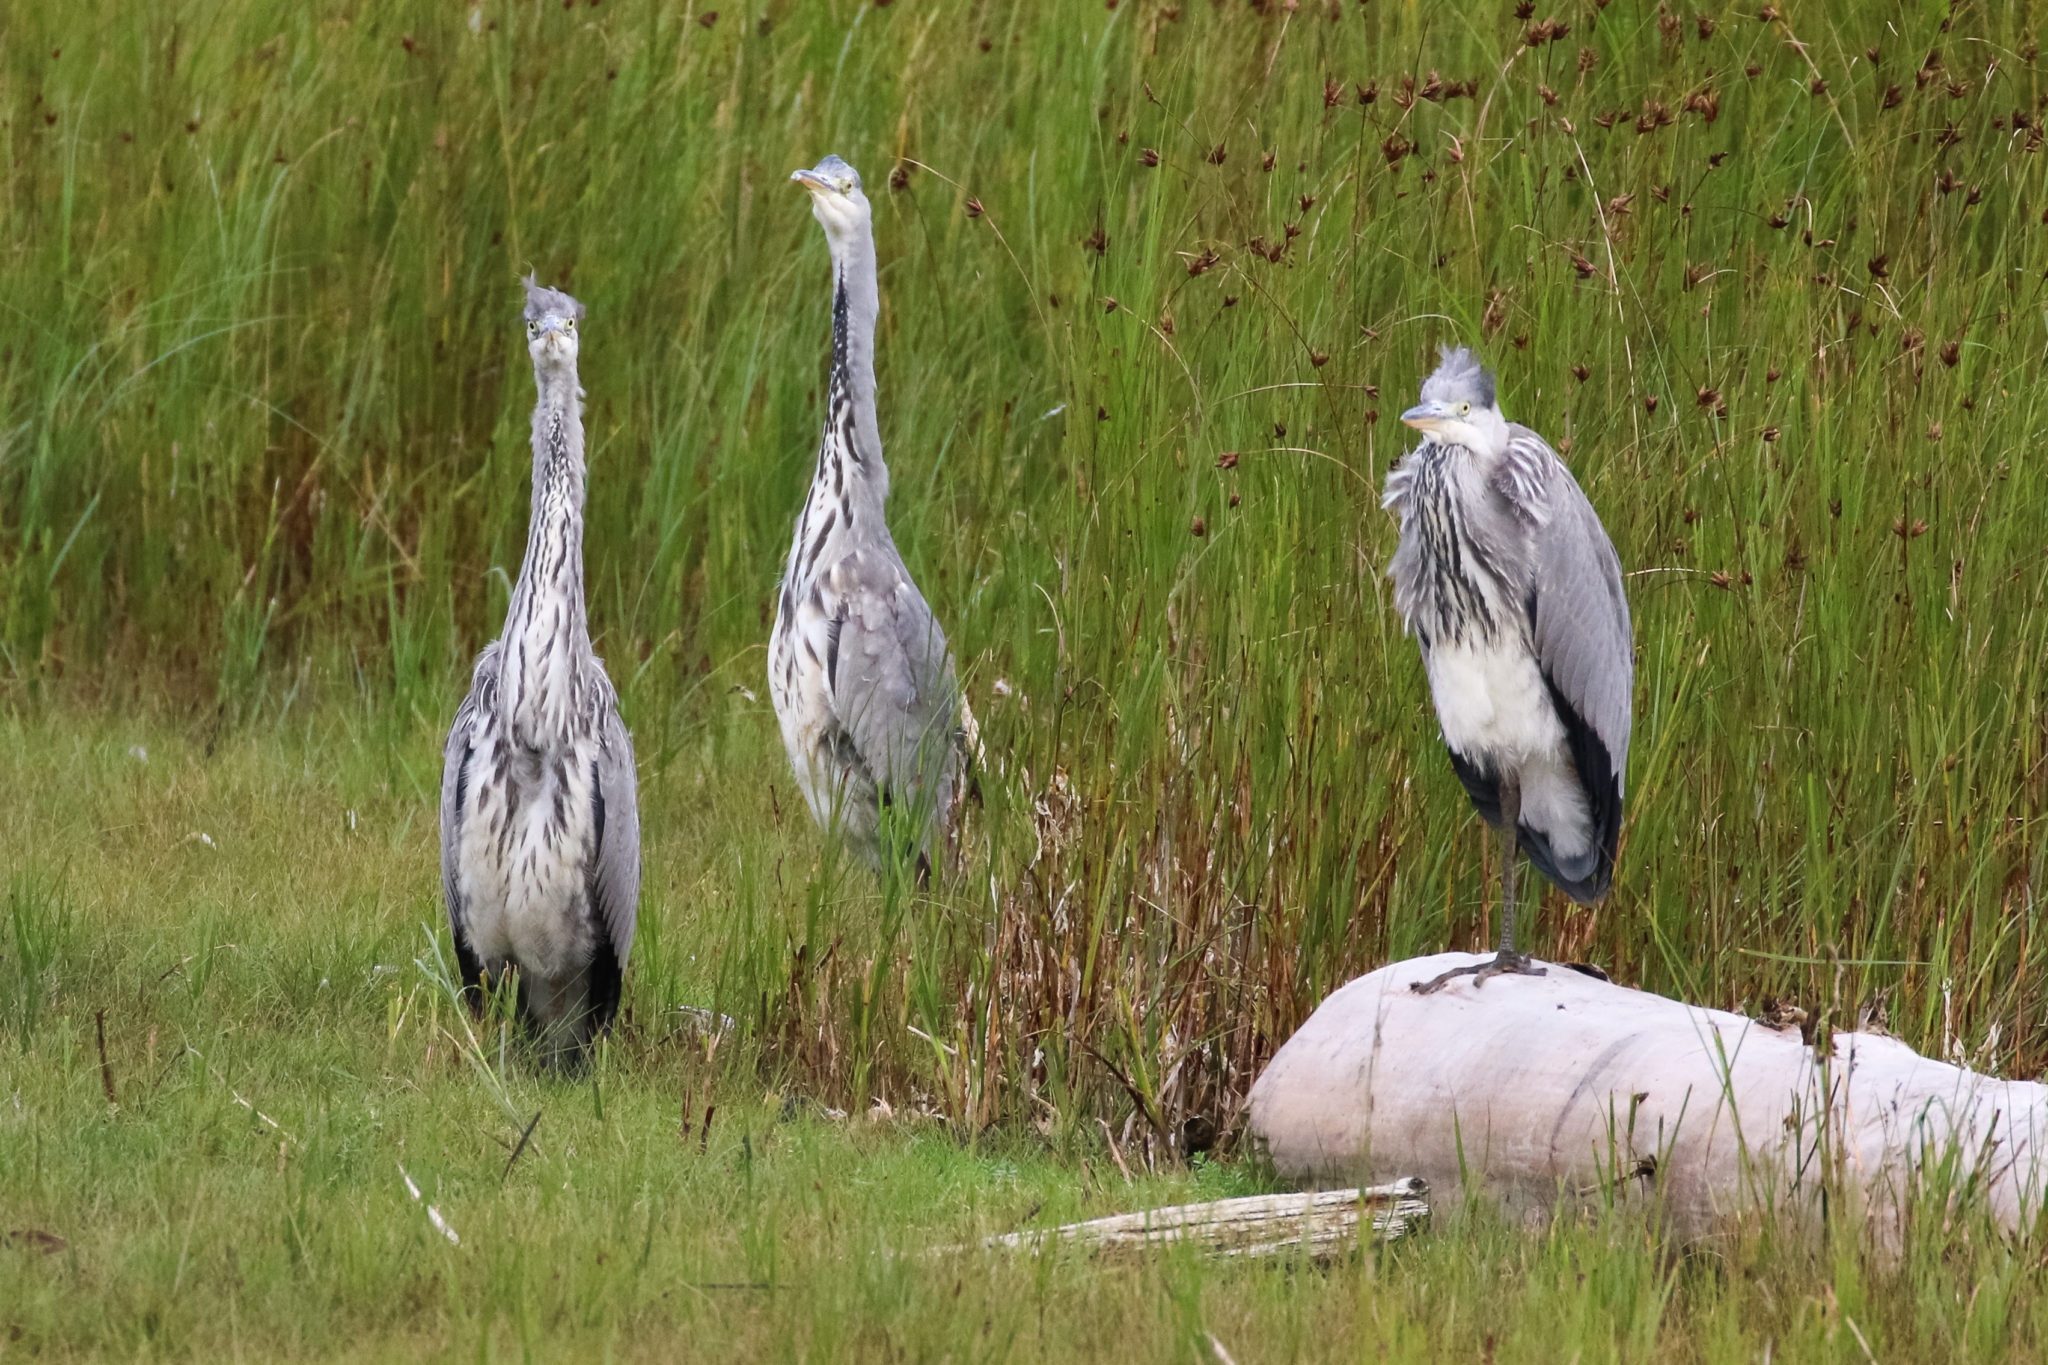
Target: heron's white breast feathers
1492, 703
524, 852
799, 685
1495, 711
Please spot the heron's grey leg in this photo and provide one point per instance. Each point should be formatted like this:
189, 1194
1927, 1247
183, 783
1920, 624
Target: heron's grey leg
1505, 961
1511, 835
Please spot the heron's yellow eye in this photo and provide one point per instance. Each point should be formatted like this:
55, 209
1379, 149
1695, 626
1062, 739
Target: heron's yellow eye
846, 187
532, 329
570, 324
1464, 408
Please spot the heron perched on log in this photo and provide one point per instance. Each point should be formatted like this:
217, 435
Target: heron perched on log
1508, 582
858, 667
540, 817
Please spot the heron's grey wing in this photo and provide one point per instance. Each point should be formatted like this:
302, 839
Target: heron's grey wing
615, 877
456, 754
891, 675
1578, 614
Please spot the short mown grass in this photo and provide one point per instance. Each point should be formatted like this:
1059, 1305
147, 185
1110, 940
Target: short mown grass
1156, 281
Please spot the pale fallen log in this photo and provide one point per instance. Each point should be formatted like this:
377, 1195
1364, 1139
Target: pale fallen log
1320, 1224
1567, 1087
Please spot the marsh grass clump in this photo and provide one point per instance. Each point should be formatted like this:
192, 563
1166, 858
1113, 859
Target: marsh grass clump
39, 924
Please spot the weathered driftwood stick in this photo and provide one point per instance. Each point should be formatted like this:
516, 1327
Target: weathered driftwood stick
1568, 1087
1321, 1224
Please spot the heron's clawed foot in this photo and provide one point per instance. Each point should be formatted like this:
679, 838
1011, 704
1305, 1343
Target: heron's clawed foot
1500, 964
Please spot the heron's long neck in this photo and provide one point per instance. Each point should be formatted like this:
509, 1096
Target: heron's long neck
852, 464
1458, 579
547, 630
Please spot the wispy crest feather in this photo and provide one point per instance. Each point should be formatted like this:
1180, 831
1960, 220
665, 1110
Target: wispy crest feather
542, 302
1460, 378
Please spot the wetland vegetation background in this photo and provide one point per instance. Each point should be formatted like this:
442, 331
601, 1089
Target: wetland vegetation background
1156, 280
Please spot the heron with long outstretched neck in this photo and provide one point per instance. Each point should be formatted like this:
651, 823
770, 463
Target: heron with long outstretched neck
540, 817
1508, 582
858, 667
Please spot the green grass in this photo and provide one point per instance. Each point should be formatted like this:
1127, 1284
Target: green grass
263, 479
282, 1054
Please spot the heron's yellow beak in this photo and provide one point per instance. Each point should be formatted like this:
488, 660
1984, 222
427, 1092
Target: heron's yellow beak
1428, 416
812, 181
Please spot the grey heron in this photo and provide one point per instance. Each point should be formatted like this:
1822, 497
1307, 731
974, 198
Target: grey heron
540, 817
858, 668
1508, 582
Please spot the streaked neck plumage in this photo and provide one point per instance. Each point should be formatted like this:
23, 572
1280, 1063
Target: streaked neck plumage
862, 481
1449, 584
547, 629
